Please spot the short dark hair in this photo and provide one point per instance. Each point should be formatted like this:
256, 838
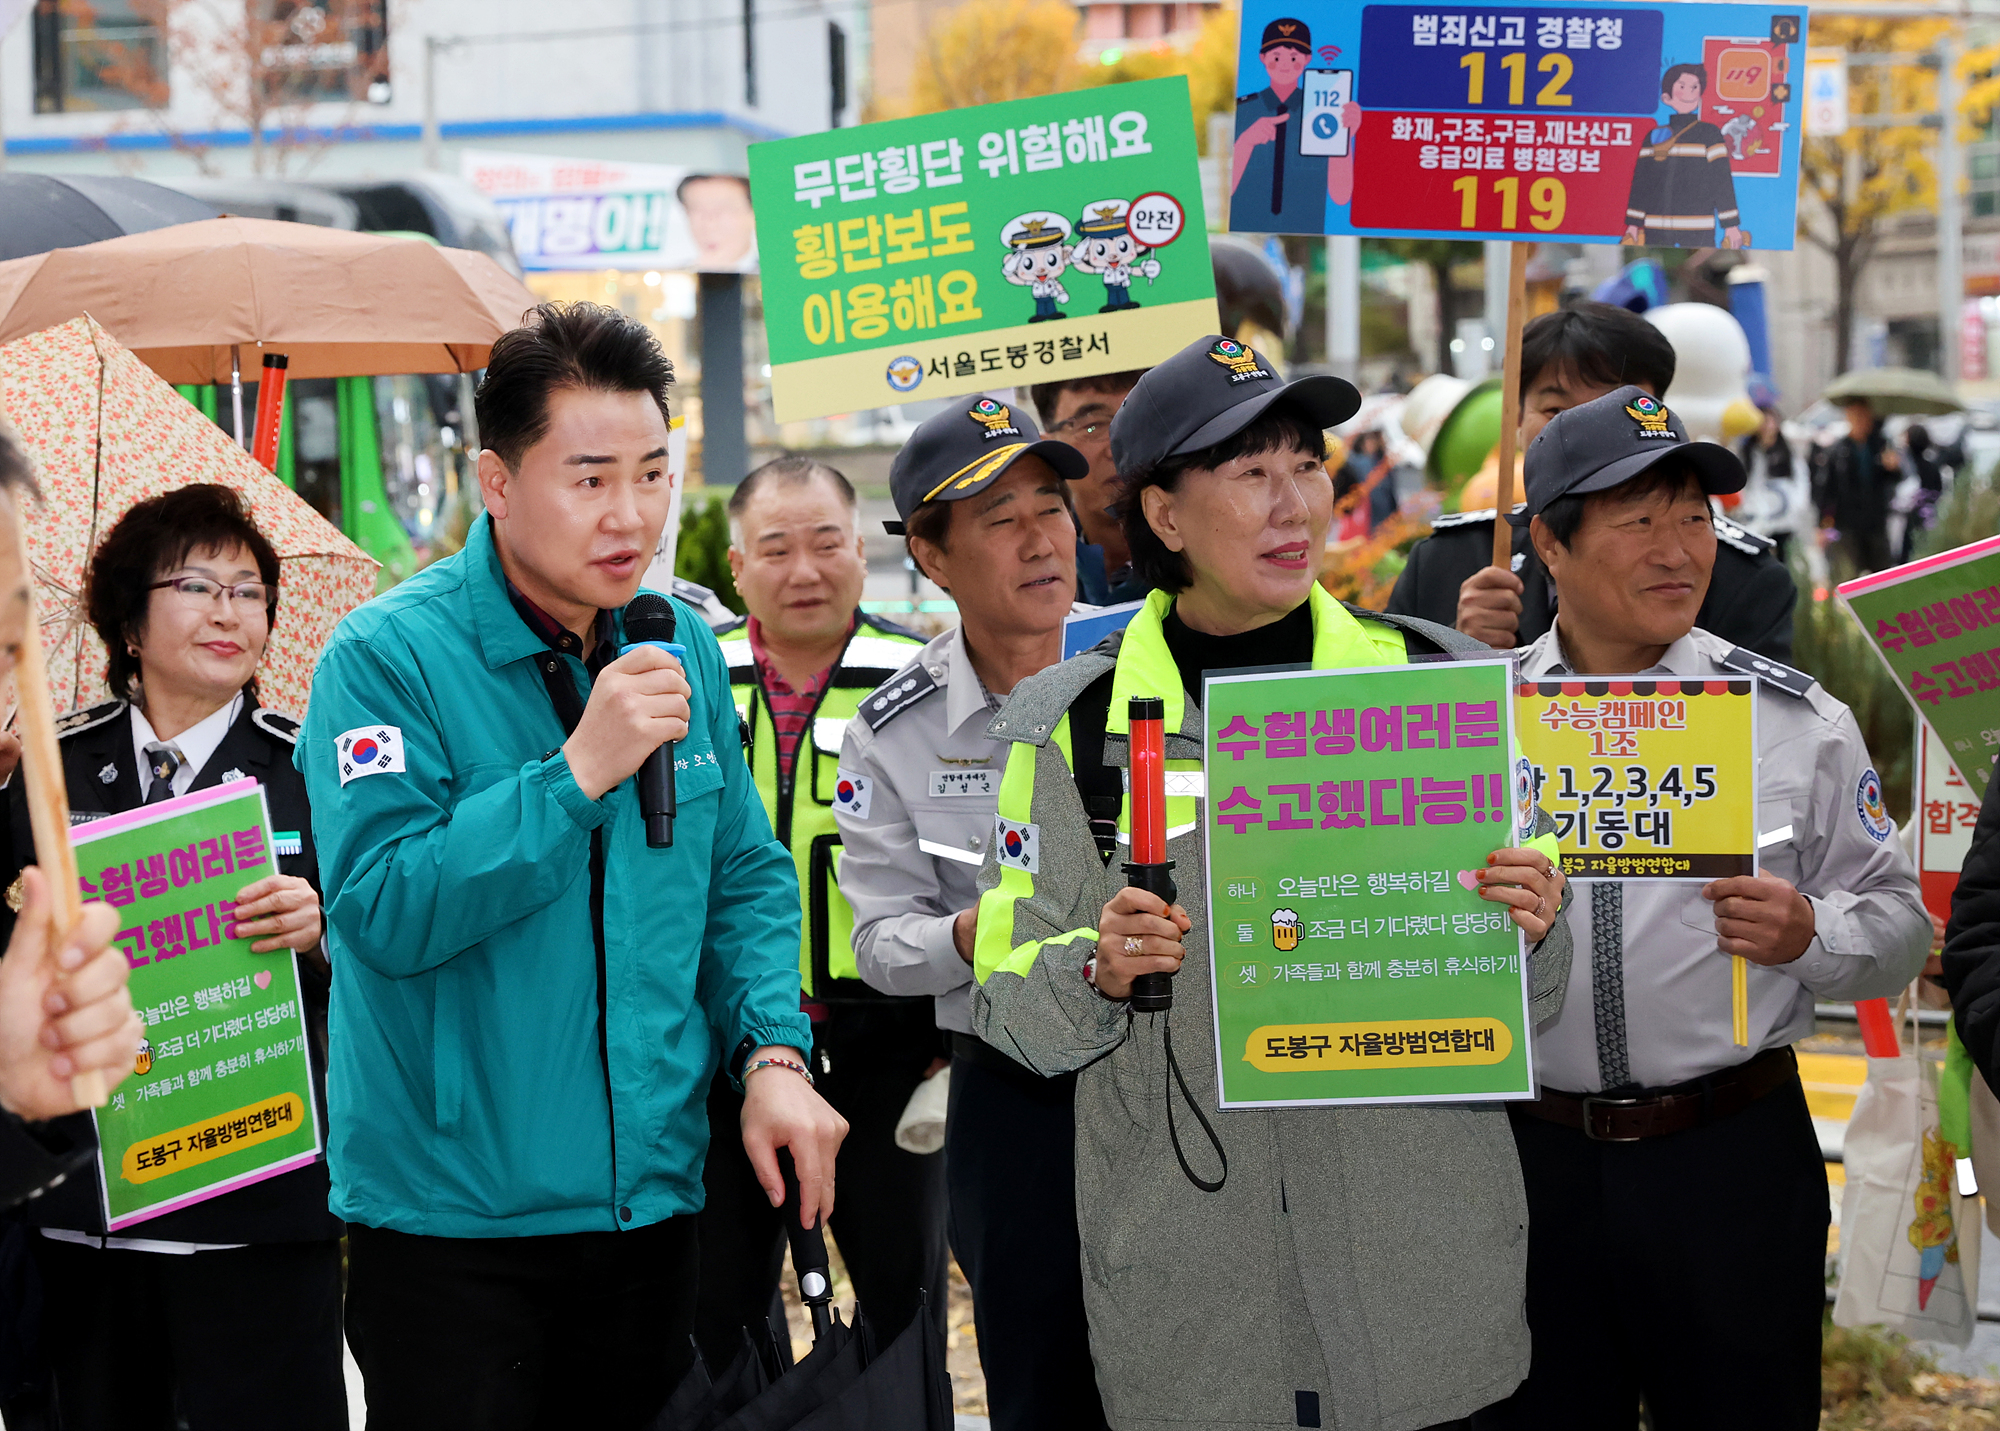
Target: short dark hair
1600, 343
152, 539
790, 472
1046, 395
1564, 516
564, 345
930, 522
1673, 75
680, 189
17, 473
1280, 427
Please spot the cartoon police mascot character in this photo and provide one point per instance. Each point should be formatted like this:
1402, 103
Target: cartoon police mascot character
1038, 252
1682, 186
1105, 246
1274, 185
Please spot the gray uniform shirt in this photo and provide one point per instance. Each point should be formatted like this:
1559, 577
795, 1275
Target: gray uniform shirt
1654, 1005
911, 850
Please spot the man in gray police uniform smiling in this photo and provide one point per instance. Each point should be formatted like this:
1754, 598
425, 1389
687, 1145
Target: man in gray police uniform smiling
1677, 1202
986, 513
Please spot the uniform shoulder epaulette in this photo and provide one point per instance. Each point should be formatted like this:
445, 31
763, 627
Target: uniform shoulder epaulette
896, 695
1776, 674
78, 721
277, 723
1742, 538
1446, 521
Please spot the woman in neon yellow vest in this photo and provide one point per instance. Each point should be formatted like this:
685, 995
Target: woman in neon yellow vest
1360, 1267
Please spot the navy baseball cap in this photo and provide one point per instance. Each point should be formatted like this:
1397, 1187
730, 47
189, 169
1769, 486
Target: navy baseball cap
964, 450
1207, 393
1287, 31
1610, 440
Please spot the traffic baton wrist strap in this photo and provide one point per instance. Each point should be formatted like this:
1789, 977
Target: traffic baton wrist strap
799, 1068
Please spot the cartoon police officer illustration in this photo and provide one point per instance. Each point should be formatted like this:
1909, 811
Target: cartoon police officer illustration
1038, 252
1682, 185
1274, 186
1105, 247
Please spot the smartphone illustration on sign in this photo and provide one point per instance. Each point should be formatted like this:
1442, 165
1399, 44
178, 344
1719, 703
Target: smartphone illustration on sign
1327, 93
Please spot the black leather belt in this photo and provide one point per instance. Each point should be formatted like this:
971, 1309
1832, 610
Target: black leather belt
1654, 1113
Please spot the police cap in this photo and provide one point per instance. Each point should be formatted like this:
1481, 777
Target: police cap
1609, 441
1207, 393
965, 449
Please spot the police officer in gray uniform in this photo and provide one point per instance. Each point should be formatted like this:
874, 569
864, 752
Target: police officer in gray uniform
1677, 1198
985, 509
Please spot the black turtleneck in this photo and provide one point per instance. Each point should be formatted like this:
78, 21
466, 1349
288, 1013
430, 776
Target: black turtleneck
1288, 641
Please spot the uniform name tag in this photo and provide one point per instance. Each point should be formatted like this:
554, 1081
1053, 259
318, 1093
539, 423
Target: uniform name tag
951, 783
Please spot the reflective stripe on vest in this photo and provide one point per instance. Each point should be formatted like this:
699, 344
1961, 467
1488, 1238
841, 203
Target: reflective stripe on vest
801, 811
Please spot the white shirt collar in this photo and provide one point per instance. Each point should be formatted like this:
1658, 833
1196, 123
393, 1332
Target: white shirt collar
1545, 658
965, 694
196, 744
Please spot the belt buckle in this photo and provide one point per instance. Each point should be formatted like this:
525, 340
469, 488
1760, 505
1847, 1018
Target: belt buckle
1588, 1132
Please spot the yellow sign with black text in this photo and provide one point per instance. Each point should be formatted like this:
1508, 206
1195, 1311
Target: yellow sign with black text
1646, 779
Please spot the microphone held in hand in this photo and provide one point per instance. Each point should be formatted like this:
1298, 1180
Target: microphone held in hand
649, 621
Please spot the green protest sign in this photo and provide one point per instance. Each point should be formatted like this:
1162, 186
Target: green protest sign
1005, 244
1936, 625
222, 1094
1353, 958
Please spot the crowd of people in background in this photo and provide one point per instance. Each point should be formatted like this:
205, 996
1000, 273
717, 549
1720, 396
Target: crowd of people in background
563, 1067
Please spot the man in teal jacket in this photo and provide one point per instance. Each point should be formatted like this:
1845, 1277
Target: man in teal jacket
528, 999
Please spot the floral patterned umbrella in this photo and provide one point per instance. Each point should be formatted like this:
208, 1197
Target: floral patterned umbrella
105, 433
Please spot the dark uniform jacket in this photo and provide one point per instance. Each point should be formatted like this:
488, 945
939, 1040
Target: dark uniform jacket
1682, 185
1749, 602
1972, 942
97, 742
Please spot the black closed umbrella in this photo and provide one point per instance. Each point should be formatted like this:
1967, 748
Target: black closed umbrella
41, 212
843, 1384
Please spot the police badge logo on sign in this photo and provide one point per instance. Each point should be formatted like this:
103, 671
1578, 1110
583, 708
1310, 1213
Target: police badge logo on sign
369, 750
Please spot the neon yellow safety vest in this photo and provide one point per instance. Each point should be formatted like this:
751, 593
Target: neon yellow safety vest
801, 804
1145, 667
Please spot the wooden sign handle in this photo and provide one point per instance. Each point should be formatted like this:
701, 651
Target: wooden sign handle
48, 802
1510, 402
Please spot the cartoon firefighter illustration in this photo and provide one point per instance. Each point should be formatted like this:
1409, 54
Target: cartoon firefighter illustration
1038, 252
1105, 247
1682, 185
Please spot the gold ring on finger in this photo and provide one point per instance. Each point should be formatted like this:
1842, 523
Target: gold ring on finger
1133, 944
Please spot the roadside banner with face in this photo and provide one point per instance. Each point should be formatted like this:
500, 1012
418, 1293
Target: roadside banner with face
944, 254
570, 214
1665, 124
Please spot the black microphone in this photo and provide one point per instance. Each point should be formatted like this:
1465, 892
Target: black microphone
649, 621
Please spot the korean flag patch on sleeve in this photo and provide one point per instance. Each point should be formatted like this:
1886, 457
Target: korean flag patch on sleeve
369, 750
1017, 846
851, 793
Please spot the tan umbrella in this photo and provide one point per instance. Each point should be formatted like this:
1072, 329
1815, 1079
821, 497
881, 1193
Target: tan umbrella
106, 433
337, 303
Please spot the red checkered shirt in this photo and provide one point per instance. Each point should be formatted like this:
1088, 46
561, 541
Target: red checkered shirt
791, 710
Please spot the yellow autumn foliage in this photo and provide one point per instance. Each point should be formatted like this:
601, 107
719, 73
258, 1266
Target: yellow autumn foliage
1892, 164
989, 50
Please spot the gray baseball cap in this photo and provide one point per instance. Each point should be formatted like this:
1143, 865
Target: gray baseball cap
1610, 440
1207, 393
